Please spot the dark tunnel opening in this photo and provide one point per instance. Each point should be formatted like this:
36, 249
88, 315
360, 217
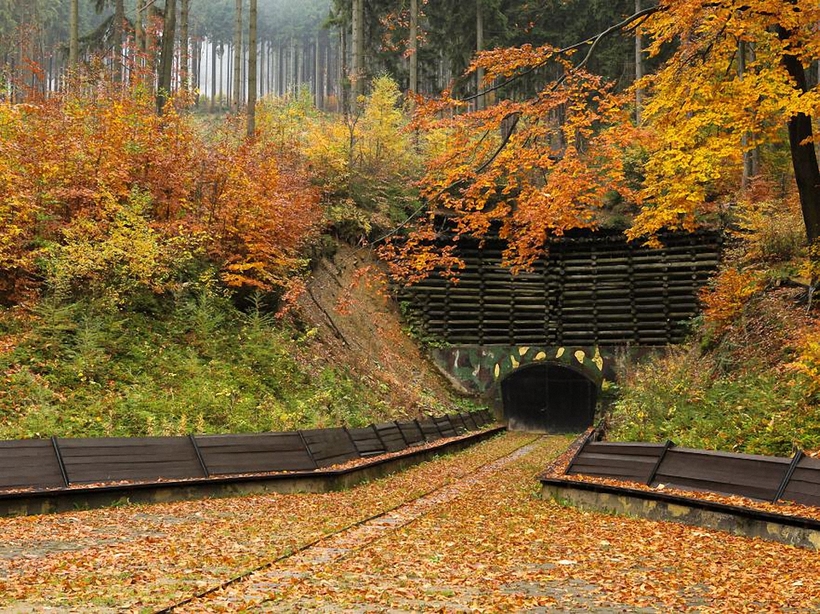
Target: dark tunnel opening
548, 397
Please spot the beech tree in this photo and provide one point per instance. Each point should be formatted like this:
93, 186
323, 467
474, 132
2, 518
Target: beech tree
513, 166
166, 60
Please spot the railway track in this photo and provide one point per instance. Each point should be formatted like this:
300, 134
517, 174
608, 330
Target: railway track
255, 586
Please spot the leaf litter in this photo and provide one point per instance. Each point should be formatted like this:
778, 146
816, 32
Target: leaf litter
490, 545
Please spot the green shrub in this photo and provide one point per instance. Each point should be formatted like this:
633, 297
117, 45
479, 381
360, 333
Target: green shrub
88, 368
685, 397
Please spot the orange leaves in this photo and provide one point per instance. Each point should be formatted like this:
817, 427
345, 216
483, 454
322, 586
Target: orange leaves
262, 210
77, 163
491, 545
564, 145
729, 294
508, 62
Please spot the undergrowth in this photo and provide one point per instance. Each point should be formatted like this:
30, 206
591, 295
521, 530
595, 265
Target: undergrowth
749, 378
193, 364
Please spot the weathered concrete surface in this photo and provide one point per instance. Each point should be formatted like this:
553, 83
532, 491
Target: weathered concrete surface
66, 500
802, 532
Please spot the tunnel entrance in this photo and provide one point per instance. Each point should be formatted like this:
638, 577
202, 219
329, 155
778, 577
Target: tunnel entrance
548, 397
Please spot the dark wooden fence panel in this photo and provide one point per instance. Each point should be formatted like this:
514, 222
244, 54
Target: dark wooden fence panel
29, 463
458, 423
485, 417
367, 441
129, 458
758, 477
430, 429
469, 421
628, 461
804, 485
391, 436
445, 427
43, 463
234, 454
330, 446
411, 431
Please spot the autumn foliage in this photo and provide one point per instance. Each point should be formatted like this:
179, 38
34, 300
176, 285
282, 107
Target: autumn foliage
537, 162
100, 194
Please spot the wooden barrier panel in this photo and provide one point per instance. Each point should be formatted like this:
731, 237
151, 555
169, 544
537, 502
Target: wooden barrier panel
430, 429
391, 436
330, 446
458, 423
367, 441
129, 458
29, 463
627, 461
445, 427
42, 463
804, 485
485, 416
411, 431
589, 288
758, 477
236, 454
469, 420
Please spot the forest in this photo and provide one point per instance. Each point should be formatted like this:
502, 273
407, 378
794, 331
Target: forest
173, 172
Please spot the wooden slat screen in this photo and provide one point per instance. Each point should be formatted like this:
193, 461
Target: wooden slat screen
330, 446
430, 429
593, 288
628, 461
736, 474
129, 458
804, 485
367, 441
411, 431
458, 423
36, 463
758, 477
445, 427
232, 454
469, 421
29, 463
391, 436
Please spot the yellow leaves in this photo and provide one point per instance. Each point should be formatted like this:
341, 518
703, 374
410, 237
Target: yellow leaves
807, 363
728, 295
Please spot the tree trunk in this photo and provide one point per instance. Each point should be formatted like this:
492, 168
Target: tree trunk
414, 46
317, 74
237, 57
184, 56
479, 46
166, 60
357, 68
213, 75
252, 70
638, 68
119, 26
804, 157
750, 155
342, 77
74, 35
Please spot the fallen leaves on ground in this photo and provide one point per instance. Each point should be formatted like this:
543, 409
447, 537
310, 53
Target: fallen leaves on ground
141, 556
491, 545
499, 547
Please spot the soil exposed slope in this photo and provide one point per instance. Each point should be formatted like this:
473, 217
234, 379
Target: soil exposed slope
347, 302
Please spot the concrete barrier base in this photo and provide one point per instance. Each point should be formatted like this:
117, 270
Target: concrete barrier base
71, 499
803, 532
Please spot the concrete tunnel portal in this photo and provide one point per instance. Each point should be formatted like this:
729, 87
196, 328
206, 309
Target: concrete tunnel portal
548, 397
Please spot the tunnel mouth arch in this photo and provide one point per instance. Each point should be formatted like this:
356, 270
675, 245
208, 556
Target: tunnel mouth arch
548, 397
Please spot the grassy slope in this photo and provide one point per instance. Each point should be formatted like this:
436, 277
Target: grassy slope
192, 364
737, 390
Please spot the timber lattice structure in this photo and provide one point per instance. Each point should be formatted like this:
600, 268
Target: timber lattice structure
590, 289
